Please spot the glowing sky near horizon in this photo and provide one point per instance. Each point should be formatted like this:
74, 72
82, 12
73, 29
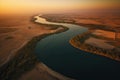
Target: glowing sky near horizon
23, 6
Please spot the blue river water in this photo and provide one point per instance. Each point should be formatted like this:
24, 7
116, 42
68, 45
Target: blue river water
56, 52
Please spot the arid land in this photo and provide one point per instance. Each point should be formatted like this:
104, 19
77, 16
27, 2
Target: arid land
103, 36
18, 37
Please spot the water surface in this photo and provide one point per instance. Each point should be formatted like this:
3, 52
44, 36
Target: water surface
56, 52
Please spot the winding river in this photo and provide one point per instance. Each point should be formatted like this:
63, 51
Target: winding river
56, 52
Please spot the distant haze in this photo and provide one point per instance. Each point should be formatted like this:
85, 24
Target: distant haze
33, 6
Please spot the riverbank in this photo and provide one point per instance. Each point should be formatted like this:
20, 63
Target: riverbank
25, 61
22, 60
80, 42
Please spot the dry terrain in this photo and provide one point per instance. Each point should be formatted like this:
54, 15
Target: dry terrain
41, 71
17, 34
101, 45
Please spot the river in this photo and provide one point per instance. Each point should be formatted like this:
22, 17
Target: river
56, 52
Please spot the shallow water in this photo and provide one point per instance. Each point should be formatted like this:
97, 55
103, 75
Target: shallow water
56, 52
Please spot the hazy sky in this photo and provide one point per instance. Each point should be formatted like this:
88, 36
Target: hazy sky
23, 6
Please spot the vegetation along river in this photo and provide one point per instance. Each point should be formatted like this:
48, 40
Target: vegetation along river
56, 52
